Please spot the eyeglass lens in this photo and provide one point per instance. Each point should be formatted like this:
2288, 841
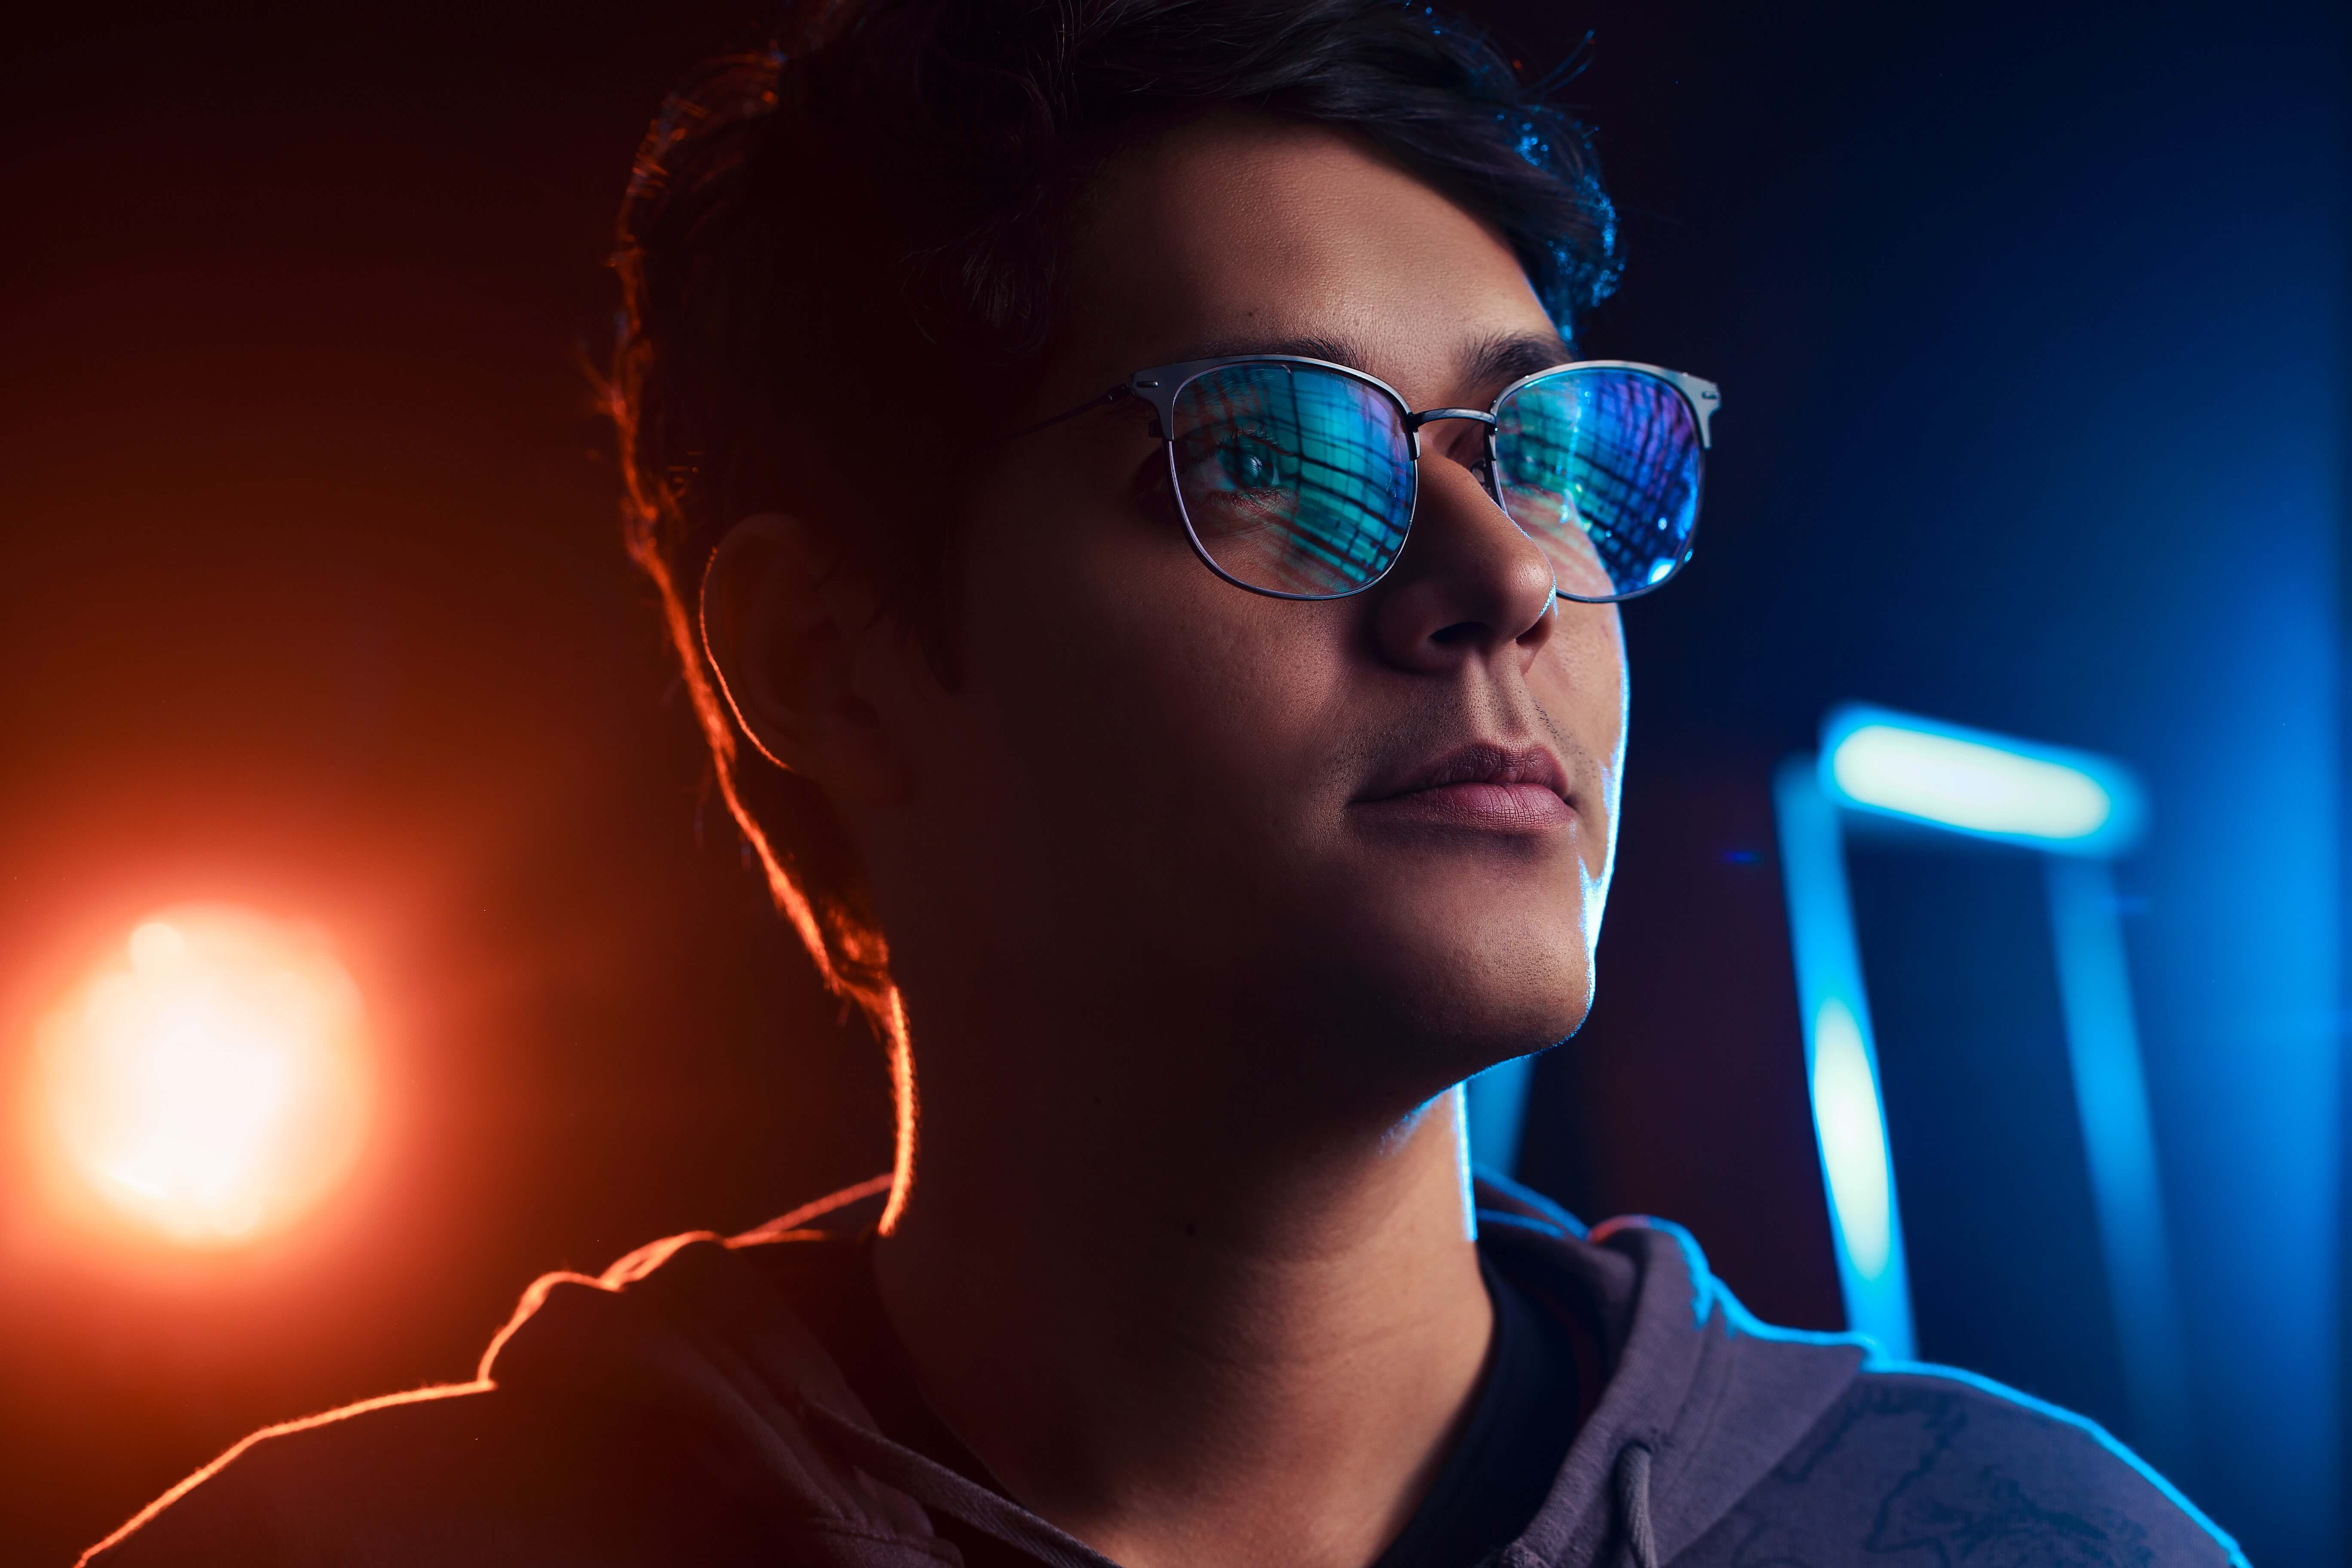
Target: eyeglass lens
1600, 467
1301, 480
1294, 479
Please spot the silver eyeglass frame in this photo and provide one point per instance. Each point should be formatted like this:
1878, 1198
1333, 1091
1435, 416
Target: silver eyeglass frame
1161, 385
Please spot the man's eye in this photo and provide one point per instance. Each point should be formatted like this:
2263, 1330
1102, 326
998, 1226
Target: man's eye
1235, 484
1242, 464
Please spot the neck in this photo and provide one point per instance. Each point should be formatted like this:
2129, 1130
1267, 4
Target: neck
1197, 1339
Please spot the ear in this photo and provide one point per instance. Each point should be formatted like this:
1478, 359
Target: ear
782, 622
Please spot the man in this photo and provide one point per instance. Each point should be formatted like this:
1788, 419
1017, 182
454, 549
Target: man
1145, 549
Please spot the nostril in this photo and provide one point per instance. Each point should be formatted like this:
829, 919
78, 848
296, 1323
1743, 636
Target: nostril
1459, 632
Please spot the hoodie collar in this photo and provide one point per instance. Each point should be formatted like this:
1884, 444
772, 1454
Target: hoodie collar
1711, 1397
696, 1328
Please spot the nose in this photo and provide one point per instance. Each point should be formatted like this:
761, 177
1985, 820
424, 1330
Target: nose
1470, 584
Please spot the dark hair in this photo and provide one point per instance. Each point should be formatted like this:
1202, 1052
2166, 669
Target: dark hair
878, 205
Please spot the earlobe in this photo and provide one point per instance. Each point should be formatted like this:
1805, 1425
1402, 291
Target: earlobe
773, 612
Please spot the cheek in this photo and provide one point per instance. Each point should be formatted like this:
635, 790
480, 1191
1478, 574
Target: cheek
1140, 705
1193, 690
1580, 679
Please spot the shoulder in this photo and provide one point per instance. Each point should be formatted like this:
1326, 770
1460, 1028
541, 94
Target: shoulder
1918, 1456
264, 1501
456, 1476
616, 1422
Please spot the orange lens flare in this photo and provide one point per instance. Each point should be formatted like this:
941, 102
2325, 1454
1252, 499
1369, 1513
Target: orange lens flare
211, 1081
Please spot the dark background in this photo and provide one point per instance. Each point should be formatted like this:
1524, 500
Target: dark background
2030, 325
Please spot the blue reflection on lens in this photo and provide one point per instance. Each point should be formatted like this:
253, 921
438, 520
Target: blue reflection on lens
1293, 480
1601, 466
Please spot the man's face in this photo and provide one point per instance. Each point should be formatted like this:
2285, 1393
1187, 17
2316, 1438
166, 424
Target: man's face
1185, 810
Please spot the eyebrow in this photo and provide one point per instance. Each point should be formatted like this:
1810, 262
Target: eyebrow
1493, 362
1335, 349
1507, 356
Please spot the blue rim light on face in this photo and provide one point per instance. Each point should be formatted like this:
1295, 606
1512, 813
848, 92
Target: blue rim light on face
1972, 782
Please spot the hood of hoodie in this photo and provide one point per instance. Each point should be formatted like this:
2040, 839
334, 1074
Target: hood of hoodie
1700, 1402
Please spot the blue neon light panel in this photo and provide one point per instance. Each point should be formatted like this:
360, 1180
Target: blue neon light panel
1988, 787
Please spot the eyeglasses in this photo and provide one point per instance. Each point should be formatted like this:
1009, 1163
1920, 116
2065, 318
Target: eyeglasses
1297, 476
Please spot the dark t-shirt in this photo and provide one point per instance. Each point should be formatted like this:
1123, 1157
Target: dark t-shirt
1489, 1488
1520, 1429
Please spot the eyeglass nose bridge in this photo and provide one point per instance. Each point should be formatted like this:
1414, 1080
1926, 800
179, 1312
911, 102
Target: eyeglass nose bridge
1414, 422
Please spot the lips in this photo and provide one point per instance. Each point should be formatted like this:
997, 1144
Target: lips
1483, 786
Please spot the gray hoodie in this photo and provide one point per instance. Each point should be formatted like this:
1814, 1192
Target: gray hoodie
678, 1410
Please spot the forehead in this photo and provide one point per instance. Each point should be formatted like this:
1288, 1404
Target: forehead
1239, 232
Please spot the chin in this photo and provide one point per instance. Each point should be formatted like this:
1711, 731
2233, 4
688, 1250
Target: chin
1456, 1002
1468, 1030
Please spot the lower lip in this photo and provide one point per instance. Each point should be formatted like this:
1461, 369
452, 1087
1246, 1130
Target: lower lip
1487, 807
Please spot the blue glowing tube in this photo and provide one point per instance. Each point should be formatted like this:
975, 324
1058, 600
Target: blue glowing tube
1841, 1065
1988, 786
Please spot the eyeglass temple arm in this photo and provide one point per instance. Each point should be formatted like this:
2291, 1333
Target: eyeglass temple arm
1088, 406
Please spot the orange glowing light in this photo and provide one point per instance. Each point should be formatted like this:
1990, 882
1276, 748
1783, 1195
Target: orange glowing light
211, 1081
